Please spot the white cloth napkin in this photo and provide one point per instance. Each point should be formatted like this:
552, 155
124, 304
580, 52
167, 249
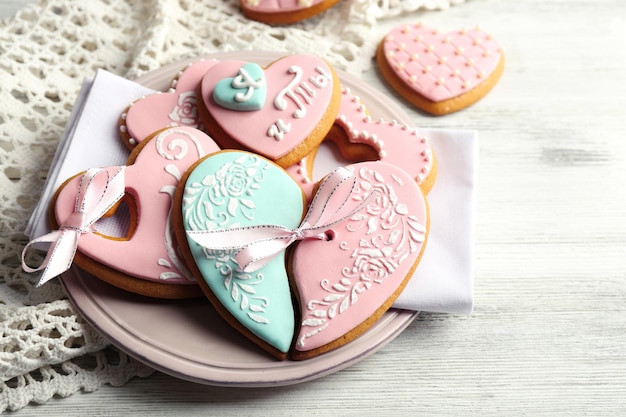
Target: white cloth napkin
444, 279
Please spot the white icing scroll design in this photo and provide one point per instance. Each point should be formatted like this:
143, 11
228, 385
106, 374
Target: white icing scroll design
244, 80
390, 235
240, 286
166, 142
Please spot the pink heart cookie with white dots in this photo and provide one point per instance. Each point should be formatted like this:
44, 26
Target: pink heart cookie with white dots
176, 107
440, 73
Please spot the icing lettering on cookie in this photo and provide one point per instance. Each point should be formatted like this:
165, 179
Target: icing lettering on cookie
301, 88
244, 92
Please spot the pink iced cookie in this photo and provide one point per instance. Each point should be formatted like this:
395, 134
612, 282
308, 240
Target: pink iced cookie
346, 283
142, 256
176, 107
440, 72
284, 11
282, 111
360, 138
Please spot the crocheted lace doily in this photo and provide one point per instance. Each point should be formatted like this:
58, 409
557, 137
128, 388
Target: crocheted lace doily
47, 49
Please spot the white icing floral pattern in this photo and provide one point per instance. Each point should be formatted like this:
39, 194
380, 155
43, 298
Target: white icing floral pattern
185, 113
240, 285
390, 235
216, 202
230, 188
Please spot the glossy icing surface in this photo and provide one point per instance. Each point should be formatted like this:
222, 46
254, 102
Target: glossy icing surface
244, 92
343, 281
299, 89
150, 252
269, 6
395, 143
441, 66
177, 107
231, 189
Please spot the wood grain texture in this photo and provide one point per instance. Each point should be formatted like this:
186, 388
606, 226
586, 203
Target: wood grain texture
548, 335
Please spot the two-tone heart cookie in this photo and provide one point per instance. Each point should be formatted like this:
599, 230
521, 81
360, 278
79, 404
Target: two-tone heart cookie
440, 72
346, 261
281, 112
226, 192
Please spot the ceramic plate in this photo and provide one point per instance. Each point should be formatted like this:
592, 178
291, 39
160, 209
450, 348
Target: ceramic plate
187, 339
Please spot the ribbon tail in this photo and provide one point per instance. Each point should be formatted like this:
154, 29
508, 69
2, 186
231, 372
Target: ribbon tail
59, 257
332, 195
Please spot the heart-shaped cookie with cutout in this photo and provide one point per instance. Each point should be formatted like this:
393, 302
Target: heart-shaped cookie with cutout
226, 192
345, 283
300, 106
131, 244
176, 107
361, 138
440, 72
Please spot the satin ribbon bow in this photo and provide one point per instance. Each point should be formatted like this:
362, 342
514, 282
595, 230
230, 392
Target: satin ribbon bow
98, 192
255, 246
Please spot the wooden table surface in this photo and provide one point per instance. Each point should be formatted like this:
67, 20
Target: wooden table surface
548, 334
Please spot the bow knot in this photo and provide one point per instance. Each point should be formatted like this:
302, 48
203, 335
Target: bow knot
97, 193
76, 221
298, 234
255, 246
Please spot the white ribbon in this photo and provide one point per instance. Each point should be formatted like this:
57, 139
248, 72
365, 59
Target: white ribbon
98, 192
255, 246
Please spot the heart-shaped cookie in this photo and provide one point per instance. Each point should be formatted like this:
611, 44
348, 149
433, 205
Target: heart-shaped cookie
284, 11
302, 101
176, 107
360, 138
244, 92
145, 258
227, 191
345, 284
440, 72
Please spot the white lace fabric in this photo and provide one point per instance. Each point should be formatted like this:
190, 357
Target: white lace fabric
47, 49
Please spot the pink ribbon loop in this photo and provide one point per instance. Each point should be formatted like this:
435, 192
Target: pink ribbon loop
255, 246
97, 193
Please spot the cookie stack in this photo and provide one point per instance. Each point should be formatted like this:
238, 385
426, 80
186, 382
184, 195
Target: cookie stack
218, 200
